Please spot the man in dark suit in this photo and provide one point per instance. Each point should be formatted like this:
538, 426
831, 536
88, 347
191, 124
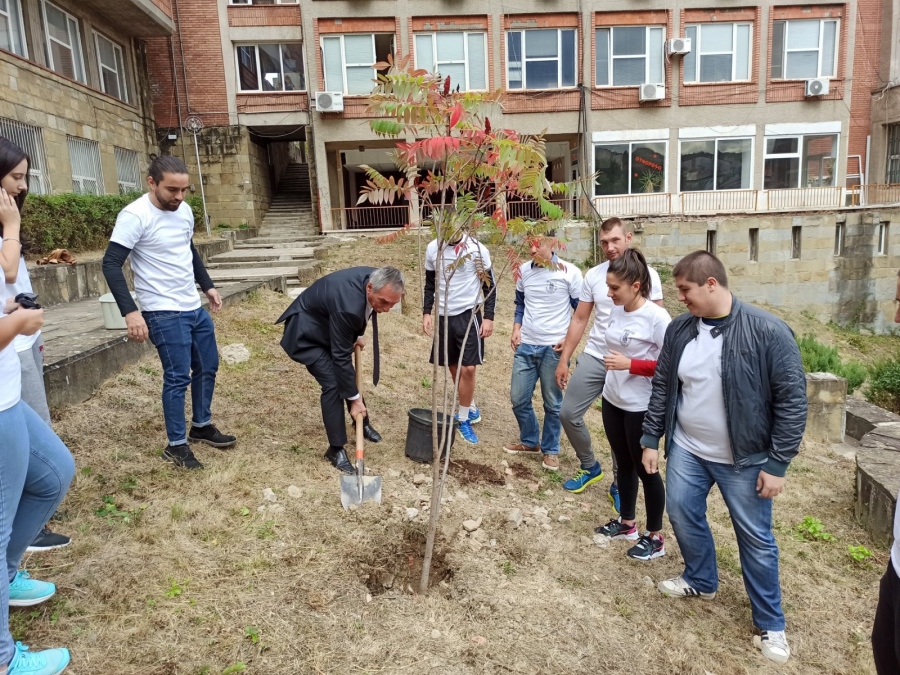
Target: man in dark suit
322, 327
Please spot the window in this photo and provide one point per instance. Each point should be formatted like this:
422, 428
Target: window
893, 154
541, 58
711, 241
460, 56
800, 161
31, 140
112, 68
796, 234
263, 2
883, 230
839, 239
630, 56
629, 168
716, 164
348, 59
720, 52
804, 49
87, 176
11, 33
63, 43
127, 171
270, 67
754, 245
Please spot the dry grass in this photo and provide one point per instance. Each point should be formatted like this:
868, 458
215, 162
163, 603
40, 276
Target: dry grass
186, 575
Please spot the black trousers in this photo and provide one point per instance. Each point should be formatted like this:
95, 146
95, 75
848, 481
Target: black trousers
321, 367
886, 631
623, 431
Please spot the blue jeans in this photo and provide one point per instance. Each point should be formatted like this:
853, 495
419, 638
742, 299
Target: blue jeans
688, 481
530, 364
186, 342
35, 472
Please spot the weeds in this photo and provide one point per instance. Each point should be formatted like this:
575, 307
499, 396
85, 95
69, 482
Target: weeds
820, 358
508, 568
812, 529
113, 513
860, 555
252, 634
238, 667
175, 588
884, 384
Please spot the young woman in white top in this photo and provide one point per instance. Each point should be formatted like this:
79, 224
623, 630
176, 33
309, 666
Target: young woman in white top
634, 338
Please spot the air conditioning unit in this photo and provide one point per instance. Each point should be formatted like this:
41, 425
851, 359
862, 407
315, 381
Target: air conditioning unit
329, 101
679, 46
817, 87
652, 92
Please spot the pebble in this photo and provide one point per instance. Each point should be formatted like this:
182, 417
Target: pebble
508, 472
475, 545
368, 597
601, 540
269, 495
294, 491
515, 517
460, 494
419, 479
564, 519
587, 541
411, 514
236, 353
435, 634
479, 640
549, 493
471, 525
481, 536
503, 462
569, 499
393, 473
648, 582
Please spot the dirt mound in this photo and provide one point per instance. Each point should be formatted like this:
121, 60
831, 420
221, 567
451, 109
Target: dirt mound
398, 565
467, 472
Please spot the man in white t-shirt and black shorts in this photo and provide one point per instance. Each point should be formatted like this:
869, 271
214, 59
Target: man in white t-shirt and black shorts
587, 381
156, 230
459, 277
547, 290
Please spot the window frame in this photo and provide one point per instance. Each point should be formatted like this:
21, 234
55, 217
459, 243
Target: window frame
610, 56
16, 20
94, 146
249, 3
80, 43
881, 246
525, 59
631, 144
801, 156
125, 156
752, 140
785, 50
119, 52
840, 234
437, 63
695, 49
31, 139
259, 77
345, 65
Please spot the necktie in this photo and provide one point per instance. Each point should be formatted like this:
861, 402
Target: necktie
376, 371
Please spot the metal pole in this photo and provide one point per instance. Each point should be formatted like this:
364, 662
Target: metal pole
202, 191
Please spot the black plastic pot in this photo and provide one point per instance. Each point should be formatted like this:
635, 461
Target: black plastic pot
418, 435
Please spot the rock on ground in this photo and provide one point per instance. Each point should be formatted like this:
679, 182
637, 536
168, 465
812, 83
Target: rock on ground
235, 353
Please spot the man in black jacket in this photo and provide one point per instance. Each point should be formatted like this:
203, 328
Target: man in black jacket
729, 395
322, 327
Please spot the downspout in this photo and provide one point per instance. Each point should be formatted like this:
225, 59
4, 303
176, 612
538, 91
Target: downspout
177, 97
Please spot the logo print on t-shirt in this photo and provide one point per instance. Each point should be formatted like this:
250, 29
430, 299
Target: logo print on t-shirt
552, 285
626, 337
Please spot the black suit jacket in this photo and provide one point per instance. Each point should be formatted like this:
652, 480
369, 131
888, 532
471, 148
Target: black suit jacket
329, 315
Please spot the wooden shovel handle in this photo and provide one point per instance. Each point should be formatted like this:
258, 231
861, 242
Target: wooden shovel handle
360, 417
357, 351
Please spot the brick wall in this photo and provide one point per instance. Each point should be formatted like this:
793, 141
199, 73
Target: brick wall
264, 15
865, 80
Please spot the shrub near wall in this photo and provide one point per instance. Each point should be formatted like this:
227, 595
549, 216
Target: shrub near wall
78, 222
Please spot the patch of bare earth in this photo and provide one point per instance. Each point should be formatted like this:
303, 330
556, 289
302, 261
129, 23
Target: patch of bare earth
181, 573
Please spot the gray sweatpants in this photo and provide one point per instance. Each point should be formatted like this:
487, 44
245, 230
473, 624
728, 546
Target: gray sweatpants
585, 387
33, 392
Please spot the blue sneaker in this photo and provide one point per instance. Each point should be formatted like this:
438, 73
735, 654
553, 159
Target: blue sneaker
474, 416
46, 662
466, 431
25, 591
583, 478
614, 497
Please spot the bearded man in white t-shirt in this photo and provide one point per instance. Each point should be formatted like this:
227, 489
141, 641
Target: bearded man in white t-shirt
156, 230
586, 383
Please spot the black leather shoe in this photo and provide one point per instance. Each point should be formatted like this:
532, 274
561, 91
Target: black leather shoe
370, 434
338, 459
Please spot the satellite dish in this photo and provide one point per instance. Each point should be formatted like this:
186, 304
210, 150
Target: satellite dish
193, 124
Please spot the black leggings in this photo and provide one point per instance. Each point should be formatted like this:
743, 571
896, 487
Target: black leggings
886, 631
623, 430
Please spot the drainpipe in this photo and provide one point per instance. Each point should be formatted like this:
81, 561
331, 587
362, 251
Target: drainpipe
177, 97
868, 153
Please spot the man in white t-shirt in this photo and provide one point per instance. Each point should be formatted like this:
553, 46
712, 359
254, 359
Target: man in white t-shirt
156, 230
587, 381
729, 395
547, 290
459, 275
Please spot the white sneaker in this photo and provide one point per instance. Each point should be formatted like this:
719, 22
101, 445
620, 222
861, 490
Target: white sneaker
677, 587
774, 645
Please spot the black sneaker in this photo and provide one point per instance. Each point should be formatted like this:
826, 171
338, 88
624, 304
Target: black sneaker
181, 455
648, 548
47, 540
211, 436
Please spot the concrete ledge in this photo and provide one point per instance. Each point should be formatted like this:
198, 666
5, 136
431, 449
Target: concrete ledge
826, 394
240, 235
877, 483
863, 417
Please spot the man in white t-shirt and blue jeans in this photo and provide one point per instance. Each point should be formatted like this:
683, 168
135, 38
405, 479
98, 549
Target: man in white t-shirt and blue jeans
587, 381
547, 290
156, 230
729, 395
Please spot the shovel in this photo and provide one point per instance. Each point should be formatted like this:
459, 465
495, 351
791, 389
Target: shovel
360, 488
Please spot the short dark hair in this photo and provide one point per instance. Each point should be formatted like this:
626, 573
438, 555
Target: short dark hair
165, 164
11, 155
699, 266
608, 224
631, 266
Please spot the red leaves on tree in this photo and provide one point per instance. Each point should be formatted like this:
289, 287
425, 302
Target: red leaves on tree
487, 125
456, 115
447, 86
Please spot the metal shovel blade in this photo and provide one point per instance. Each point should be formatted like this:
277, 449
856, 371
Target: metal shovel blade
351, 493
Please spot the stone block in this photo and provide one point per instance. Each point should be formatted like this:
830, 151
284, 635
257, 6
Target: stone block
826, 394
877, 484
863, 417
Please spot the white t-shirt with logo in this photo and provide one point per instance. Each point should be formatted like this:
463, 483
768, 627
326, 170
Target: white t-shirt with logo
464, 289
10, 366
895, 547
22, 284
636, 335
701, 425
595, 290
161, 259
548, 300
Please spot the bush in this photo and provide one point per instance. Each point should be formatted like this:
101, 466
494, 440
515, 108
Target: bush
819, 358
78, 222
884, 385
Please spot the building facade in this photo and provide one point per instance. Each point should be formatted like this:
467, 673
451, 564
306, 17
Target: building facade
75, 90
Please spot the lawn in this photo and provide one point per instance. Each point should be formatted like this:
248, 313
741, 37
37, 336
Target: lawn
183, 573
